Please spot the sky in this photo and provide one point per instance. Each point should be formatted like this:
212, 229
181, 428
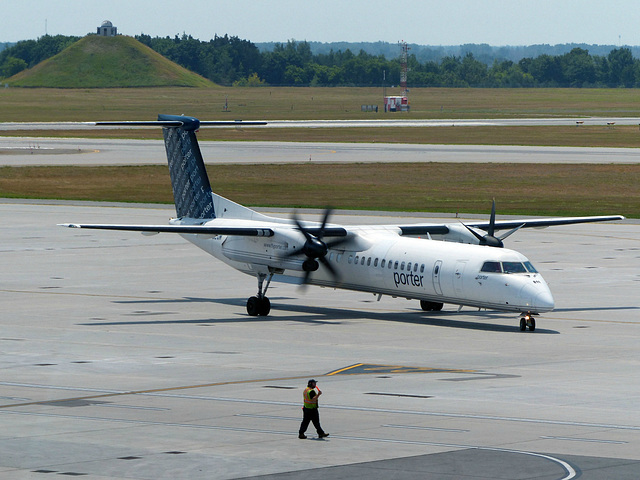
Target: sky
423, 22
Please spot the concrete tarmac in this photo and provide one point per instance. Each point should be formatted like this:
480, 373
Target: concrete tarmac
18, 151
132, 357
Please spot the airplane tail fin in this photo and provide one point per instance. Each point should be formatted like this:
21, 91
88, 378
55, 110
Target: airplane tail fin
191, 188
192, 192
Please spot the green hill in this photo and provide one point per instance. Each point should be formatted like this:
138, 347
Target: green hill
107, 62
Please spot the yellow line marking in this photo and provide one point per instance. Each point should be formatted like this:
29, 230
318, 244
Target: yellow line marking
154, 390
345, 369
372, 369
239, 382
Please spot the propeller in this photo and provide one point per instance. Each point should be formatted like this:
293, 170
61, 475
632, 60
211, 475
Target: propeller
489, 239
315, 248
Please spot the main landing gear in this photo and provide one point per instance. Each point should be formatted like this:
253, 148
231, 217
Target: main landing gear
430, 306
527, 321
260, 304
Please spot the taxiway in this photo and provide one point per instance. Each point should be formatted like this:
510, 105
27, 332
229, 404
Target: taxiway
19, 151
132, 357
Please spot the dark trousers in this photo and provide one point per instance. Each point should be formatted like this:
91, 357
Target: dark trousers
310, 415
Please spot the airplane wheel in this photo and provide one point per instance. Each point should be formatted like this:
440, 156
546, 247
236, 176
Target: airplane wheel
532, 325
523, 324
258, 306
430, 306
253, 306
265, 307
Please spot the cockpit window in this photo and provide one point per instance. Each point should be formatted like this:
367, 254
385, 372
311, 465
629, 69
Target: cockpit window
508, 267
513, 267
492, 267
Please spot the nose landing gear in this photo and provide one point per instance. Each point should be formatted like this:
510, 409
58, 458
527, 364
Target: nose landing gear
527, 320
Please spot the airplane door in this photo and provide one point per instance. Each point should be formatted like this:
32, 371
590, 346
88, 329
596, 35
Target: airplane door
457, 278
436, 277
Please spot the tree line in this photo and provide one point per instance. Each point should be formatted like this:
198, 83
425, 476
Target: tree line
481, 51
229, 60
28, 53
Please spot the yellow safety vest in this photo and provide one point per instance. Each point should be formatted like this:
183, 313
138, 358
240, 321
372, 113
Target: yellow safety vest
308, 401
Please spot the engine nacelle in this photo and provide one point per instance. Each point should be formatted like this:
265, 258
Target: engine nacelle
270, 251
458, 234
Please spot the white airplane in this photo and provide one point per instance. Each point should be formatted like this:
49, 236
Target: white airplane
433, 263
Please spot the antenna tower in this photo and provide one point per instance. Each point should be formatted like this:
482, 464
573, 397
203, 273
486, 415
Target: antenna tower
404, 69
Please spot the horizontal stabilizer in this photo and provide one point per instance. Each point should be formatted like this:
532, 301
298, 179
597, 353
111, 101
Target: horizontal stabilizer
179, 123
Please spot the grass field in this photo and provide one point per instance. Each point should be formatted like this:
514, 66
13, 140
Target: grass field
266, 103
51, 105
518, 189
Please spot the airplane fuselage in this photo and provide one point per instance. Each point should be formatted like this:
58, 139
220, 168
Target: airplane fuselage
384, 263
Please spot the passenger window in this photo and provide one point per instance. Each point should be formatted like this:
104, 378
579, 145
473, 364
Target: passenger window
369, 262
382, 263
390, 264
339, 258
415, 267
409, 267
395, 265
491, 267
350, 259
362, 261
356, 260
402, 266
375, 262
422, 269
436, 270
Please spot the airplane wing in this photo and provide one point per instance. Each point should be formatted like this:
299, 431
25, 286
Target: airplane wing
266, 231
443, 229
544, 222
406, 230
199, 229
484, 232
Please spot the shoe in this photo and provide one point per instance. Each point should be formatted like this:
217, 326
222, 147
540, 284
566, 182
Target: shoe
302, 436
322, 435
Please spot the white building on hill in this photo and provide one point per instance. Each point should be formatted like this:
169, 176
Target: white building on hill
107, 29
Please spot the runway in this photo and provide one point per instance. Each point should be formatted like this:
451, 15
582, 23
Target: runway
132, 357
375, 123
18, 151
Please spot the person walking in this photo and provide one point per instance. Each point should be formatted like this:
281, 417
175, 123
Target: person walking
310, 410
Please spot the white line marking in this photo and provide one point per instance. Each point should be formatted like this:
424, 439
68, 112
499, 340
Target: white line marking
412, 427
594, 440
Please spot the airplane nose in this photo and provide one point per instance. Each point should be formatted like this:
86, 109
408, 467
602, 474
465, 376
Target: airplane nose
537, 296
544, 302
